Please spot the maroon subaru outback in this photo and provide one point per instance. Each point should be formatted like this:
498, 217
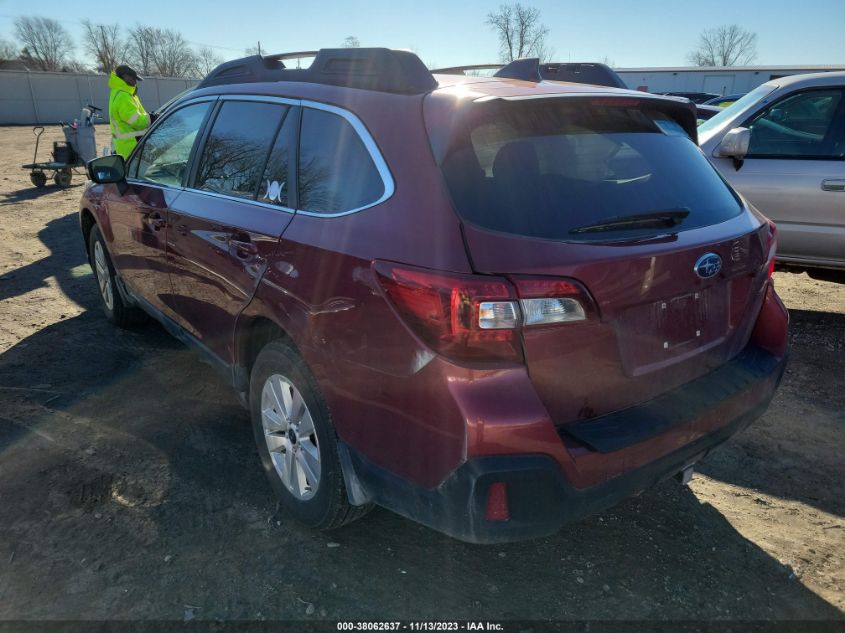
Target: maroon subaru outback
492, 305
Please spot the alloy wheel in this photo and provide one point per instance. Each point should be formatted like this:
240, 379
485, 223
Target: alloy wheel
101, 267
290, 436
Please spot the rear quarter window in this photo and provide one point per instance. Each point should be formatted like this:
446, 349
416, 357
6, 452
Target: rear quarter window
336, 172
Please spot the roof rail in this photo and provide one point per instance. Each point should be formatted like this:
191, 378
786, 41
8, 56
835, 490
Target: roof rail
379, 69
460, 70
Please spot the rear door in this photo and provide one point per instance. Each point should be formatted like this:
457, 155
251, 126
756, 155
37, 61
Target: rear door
227, 224
156, 174
614, 198
794, 172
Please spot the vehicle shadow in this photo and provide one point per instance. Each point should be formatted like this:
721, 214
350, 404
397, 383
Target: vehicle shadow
127, 467
67, 253
794, 450
12, 198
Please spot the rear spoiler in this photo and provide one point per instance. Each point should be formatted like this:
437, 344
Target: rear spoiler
443, 115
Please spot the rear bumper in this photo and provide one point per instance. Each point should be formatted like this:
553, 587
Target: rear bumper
540, 497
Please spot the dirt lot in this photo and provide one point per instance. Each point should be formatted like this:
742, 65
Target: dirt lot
130, 487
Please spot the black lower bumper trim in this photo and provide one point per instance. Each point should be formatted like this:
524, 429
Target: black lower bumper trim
615, 431
541, 499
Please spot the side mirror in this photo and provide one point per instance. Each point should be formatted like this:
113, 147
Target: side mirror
106, 169
734, 144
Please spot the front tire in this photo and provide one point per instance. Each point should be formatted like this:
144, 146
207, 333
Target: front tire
114, 308
296, 440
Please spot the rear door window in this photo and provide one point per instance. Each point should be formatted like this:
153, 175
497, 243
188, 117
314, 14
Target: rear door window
581, 172
279, 177
236, 150
336, 172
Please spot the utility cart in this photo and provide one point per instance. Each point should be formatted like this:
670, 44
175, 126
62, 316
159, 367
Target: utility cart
79, 147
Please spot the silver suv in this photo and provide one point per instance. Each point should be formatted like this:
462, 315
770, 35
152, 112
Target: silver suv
782, 146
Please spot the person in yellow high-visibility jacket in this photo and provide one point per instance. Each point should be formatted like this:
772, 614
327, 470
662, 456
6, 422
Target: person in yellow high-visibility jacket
127, 118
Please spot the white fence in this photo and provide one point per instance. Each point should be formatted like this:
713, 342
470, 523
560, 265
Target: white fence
40, 98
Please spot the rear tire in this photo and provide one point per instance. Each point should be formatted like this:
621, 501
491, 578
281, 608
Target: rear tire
296, 440
114, 308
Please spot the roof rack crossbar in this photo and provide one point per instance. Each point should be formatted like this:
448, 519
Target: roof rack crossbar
379, 69
460, 70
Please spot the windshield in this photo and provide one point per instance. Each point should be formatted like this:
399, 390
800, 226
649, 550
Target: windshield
552, 170
737, 107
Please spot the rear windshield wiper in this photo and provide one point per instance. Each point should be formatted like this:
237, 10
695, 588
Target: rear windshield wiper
657, 219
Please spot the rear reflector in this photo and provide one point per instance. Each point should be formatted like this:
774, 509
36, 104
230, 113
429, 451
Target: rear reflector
773, 247
497, 503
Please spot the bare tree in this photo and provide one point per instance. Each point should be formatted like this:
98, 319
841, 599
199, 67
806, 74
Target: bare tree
172, 56
75, 66
46, 42
728, 45
520, 32
351, 42
105, 44
206, 60
8, 50
141, 44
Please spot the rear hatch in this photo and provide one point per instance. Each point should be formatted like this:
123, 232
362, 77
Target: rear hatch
609, 202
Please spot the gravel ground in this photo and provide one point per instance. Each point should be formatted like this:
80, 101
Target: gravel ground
130, 486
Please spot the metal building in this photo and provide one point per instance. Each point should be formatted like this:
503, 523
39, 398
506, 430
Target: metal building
715, 79
45, 98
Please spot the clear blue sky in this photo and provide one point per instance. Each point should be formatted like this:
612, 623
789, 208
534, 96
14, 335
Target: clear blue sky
631, 33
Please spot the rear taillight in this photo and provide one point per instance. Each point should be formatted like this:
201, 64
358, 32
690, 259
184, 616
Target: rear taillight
771, 247
464, 317
478, 317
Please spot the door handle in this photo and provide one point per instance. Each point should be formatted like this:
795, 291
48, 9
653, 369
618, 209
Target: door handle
833, 185
155, 221
243, 249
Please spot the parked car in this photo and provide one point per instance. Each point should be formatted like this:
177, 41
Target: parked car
724, 101
705, 113
492, 306
575, 72
783, 147
695, 97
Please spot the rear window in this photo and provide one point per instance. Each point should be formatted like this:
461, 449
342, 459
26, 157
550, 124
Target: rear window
583, 172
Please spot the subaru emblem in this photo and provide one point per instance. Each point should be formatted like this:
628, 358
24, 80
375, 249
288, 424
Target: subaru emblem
708, 265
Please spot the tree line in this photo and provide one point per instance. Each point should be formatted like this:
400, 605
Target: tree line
44, 44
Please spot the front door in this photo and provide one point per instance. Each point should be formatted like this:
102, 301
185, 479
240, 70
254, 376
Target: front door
226, 226
139, 217
794, 172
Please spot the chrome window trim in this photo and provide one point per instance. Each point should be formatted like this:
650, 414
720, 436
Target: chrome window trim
258, 203
372, 149
356, 123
